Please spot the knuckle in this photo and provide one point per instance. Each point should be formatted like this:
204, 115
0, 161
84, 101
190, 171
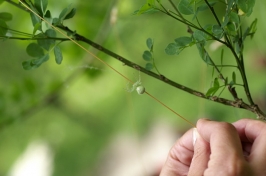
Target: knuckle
226, 126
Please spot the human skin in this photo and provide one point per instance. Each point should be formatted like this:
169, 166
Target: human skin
220, 149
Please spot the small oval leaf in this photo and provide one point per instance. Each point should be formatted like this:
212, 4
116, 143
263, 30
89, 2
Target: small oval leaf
183, 41
47, 43
185, 7
200, 36
217, 30
40, 60
149, 66
58, 54
71, 14
34, 63
147, 56
171, 49
34, 50
149, 43
211, 91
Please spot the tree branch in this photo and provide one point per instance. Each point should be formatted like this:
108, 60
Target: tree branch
237, 103
240, 62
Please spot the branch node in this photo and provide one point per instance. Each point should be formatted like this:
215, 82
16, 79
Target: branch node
136, 67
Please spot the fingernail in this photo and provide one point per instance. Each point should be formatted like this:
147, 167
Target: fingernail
195, 135
206, 119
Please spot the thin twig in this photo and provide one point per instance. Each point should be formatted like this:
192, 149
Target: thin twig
237, 103
240, 62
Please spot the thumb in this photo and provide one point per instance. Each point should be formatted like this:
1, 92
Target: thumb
201, 155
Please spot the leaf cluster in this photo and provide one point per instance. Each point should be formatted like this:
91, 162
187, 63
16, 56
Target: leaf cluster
227, 30
44, 34
148, 54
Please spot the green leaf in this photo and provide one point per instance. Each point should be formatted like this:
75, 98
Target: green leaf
41, 6
35, 63
48, 14
47, 43
71, 14
35, 19
246, 6
147, 56
27, 65
50, 33
203, 54
212, 91
49, 18
36, 27
66, 13
225, 21
40, 60
63, 13
149, 43
231, 28
200, 36
216, 83
251, 30
215, 87
237, 48
3, 28
183, 41
185, 7
230, 4
172, 49
149, 66
204, 6
234, 77
1, 1
58, 54
217, 30
34, 50
234, 18
6, 16
56, 21
146, 8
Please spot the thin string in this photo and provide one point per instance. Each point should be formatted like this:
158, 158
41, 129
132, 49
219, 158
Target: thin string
93, 55
170, 109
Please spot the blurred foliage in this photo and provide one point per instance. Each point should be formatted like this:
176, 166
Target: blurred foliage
79, 105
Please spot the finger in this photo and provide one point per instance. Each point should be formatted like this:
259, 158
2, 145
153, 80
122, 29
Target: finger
254, 132
179, 157
225, 146
201, 156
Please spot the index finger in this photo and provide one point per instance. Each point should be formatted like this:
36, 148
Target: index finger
225, 144
254, 132
180, 156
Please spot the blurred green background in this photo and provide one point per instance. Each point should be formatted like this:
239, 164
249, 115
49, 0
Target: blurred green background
79, 106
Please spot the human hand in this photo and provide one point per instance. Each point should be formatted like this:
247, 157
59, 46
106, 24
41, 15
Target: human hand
237, 149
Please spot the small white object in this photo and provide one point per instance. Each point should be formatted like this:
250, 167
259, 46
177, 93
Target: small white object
195, 135
140, 89
137, 85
